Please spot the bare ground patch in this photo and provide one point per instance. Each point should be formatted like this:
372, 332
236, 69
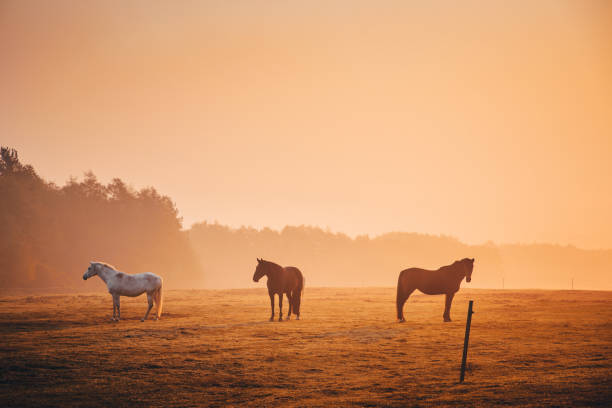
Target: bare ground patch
216, 348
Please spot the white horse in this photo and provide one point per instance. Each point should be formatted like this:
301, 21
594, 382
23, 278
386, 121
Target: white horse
123, 284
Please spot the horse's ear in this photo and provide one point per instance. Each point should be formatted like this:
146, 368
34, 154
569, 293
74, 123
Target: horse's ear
472, 260
258, 260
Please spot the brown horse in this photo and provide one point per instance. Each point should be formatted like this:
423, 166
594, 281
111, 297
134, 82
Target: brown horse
445, 280
287, 280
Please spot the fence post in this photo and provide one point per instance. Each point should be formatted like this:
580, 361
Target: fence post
466, 340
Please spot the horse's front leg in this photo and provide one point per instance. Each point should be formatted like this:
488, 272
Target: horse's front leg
402, 296
280, 306
150, 300
447, 306
116, 306
271, 305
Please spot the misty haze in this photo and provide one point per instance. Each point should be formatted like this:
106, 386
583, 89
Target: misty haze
305, 203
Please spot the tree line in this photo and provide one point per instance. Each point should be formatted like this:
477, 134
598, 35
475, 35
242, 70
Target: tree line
228, 256
49, 234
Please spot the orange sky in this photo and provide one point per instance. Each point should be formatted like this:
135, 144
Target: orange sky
479, 119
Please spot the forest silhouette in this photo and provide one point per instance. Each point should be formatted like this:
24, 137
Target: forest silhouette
49, 234
335, 259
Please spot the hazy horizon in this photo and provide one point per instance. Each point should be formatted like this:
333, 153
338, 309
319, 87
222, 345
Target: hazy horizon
195, 221
484, 121
353, 236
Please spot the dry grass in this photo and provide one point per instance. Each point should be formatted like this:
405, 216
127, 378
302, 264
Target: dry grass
216, 348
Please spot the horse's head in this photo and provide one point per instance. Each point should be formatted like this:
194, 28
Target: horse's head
260, 270
468, 264
91, 271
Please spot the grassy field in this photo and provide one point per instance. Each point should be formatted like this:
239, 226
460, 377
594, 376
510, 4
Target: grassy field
216, 348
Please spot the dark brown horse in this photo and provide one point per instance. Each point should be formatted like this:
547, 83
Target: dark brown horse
444, 281
287, 280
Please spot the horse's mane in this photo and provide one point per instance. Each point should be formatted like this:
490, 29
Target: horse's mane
270, 263
107, 265
454, 264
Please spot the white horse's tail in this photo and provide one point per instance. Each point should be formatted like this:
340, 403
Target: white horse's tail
159, 297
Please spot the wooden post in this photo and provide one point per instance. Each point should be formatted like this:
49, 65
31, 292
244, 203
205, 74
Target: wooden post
466, 340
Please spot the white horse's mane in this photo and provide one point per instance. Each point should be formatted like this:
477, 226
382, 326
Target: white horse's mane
106, 264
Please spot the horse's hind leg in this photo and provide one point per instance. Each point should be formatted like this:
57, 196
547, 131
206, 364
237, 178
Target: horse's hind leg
290, 300
447, 306
150, 300
402, 296
159, 301
116, 308
280, 307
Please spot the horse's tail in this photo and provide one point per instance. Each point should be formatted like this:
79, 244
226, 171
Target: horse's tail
399, 297
159, 297
297, 294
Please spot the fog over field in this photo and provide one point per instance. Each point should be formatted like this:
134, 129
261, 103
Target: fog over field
51, 234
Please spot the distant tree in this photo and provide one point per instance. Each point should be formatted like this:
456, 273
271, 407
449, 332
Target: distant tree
9, 160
